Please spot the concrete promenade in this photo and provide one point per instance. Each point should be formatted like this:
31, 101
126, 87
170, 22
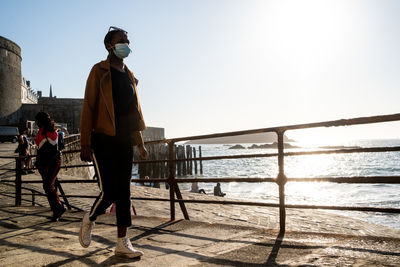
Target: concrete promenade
215, 236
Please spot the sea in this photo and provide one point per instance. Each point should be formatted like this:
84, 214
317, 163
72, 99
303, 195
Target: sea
311, 193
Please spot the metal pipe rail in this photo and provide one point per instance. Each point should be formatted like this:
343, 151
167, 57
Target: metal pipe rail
334, 123
280, 180
348, 180
260, 155
287, 154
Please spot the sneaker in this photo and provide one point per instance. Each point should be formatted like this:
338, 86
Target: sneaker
57, 215
124, 249
85, 233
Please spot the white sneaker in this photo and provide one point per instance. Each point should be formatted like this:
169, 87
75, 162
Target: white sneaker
85, 233
124, 249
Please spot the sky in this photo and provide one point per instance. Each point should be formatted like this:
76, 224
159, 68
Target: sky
211, 66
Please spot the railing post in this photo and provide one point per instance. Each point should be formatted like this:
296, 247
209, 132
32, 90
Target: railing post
58, 185
281, 181
171, 178
18, 181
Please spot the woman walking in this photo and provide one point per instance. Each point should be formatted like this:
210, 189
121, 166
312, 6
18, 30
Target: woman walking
111, 125
48, 161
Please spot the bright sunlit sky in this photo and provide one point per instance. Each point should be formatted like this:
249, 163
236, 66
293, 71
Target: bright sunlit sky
208, 66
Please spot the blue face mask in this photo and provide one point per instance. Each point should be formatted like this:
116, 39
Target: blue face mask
122, 50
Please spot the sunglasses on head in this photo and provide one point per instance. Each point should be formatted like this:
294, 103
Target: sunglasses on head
112, 28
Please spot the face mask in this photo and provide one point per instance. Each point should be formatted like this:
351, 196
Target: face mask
122, 50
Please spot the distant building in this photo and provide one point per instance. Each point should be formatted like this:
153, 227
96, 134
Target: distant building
28, 95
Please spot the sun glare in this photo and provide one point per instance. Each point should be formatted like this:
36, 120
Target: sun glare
313, 138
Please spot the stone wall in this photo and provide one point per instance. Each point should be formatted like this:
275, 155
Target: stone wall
63, 110
153, 133
80, 172
10, 77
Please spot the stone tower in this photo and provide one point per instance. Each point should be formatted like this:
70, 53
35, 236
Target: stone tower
10, 77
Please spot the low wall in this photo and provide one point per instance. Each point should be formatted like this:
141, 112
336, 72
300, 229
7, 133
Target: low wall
81, 172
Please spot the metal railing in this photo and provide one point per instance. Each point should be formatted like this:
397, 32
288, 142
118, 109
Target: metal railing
175, 195
70, 141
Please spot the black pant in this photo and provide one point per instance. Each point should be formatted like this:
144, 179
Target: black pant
113, 166
49, 176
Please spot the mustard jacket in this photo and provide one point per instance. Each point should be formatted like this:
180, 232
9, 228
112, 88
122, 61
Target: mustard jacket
98, 107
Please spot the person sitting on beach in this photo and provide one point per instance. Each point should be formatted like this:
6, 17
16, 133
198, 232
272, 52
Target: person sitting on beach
217, 191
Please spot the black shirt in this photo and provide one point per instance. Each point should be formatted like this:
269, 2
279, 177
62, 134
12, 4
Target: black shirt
125, 101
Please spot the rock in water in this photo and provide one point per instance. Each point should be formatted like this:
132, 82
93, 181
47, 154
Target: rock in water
237, 147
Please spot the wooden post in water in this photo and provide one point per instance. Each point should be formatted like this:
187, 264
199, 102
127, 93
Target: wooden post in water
184, 169
188, 150
190, 161
161, 164
177, 165
201, 162
195, 161
164, 165
155, 172
182, 166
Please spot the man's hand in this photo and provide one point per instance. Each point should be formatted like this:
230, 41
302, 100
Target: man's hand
143, 152
86, 153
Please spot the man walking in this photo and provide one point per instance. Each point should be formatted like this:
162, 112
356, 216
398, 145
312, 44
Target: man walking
111, 125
